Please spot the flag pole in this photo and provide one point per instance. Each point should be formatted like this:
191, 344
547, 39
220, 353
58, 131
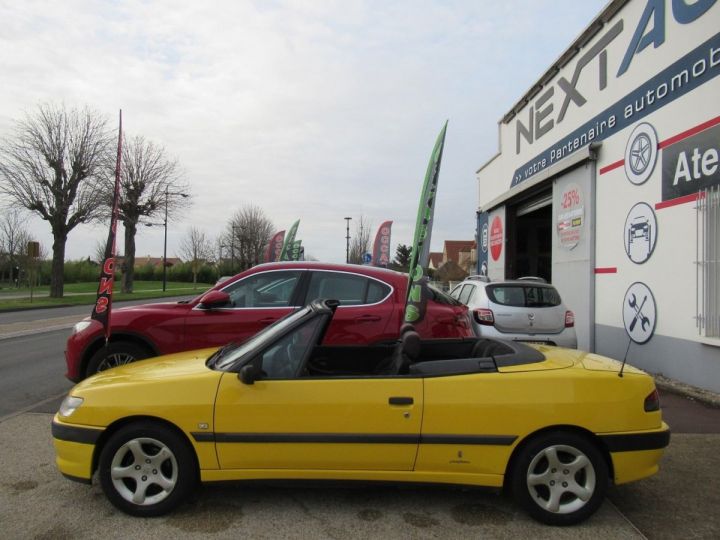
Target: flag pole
103, 303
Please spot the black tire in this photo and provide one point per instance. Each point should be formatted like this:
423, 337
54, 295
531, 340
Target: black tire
554, 494
115, 354
155, 469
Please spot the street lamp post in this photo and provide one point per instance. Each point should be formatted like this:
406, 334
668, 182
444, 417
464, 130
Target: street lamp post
164, 224
165, 242
347, 239
232, 249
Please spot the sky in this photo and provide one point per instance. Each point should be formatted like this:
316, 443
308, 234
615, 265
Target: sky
309, 109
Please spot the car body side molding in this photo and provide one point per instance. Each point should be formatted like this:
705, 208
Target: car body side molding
358, 438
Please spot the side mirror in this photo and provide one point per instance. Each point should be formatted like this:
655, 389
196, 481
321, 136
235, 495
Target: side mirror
214, 299
247, 374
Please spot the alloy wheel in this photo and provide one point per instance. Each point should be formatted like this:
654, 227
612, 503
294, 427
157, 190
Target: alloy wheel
561, 479
144, 471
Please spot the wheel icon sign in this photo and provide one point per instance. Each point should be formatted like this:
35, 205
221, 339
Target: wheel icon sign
641, 153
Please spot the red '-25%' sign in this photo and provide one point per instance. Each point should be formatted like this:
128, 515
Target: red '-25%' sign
496, 238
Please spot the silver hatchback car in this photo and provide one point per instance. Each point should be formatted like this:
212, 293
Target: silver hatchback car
526, 309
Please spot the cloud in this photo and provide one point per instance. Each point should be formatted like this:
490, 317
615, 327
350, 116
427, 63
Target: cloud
310, 110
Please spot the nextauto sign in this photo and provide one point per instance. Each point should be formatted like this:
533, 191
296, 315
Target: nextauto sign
683, 76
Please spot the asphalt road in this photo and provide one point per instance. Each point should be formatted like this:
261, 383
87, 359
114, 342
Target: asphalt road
32, 366
8, 317
32, 373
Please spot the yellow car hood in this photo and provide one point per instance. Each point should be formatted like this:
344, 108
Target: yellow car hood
178, 387
163, 368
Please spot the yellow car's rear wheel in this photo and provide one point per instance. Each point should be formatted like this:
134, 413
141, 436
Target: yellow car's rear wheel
146, 469
560, 478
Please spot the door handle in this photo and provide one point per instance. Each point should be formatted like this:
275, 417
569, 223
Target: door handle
399, 400
267, 320
367, 318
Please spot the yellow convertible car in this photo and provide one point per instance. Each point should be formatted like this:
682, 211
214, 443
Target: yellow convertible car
553, 426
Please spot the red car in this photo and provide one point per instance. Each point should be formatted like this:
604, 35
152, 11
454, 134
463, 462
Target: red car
372, 303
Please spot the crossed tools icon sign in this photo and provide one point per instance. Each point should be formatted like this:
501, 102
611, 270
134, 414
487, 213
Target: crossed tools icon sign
644, 321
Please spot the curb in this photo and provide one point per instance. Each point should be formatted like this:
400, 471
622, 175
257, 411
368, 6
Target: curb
32, 308
706, 397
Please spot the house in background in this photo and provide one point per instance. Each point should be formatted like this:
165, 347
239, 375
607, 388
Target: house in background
461, 252
436, 260
457, 260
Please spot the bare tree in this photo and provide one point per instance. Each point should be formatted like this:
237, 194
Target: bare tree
247, 235
51, 166
196, 249
13, 240
360, 242
151, 186
99, 251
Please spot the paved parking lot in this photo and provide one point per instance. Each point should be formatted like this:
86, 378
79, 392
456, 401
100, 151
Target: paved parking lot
682, 501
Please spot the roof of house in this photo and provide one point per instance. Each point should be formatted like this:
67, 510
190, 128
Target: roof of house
454, 247
450, 271
436, 258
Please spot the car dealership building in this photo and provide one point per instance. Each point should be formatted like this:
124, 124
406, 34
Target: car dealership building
607, 183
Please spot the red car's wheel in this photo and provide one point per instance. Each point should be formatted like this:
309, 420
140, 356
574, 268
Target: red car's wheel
115, 354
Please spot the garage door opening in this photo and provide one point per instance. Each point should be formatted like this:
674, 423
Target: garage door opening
529, 226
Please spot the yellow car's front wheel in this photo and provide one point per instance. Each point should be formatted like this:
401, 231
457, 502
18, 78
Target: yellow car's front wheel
560, 478
146, 469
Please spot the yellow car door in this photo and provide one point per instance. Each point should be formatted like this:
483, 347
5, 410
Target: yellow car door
308, 423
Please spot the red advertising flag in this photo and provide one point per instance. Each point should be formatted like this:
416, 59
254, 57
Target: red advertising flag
381, 248
103, 304
272, 252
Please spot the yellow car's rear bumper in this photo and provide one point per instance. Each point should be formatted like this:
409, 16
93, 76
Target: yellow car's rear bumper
636, 455
74, 448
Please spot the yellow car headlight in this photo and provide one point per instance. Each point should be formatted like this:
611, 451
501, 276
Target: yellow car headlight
69, 405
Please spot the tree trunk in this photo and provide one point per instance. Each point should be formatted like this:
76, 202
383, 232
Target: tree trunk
57, 279
129, 266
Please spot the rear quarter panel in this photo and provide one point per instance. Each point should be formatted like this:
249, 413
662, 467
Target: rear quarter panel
521, 403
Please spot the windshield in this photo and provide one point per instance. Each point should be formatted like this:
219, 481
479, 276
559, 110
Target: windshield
226, 358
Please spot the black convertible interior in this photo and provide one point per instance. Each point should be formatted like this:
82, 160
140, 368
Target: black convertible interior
413, 356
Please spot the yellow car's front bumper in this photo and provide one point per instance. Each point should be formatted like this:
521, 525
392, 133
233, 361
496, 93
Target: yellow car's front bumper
74, 448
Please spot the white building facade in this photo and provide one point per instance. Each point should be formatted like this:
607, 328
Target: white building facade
607, 183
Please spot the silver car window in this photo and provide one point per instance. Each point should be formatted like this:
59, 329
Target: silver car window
523, 295
466, 293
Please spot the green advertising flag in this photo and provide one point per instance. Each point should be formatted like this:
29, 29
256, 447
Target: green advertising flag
295, 250
420, 257
289, 241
